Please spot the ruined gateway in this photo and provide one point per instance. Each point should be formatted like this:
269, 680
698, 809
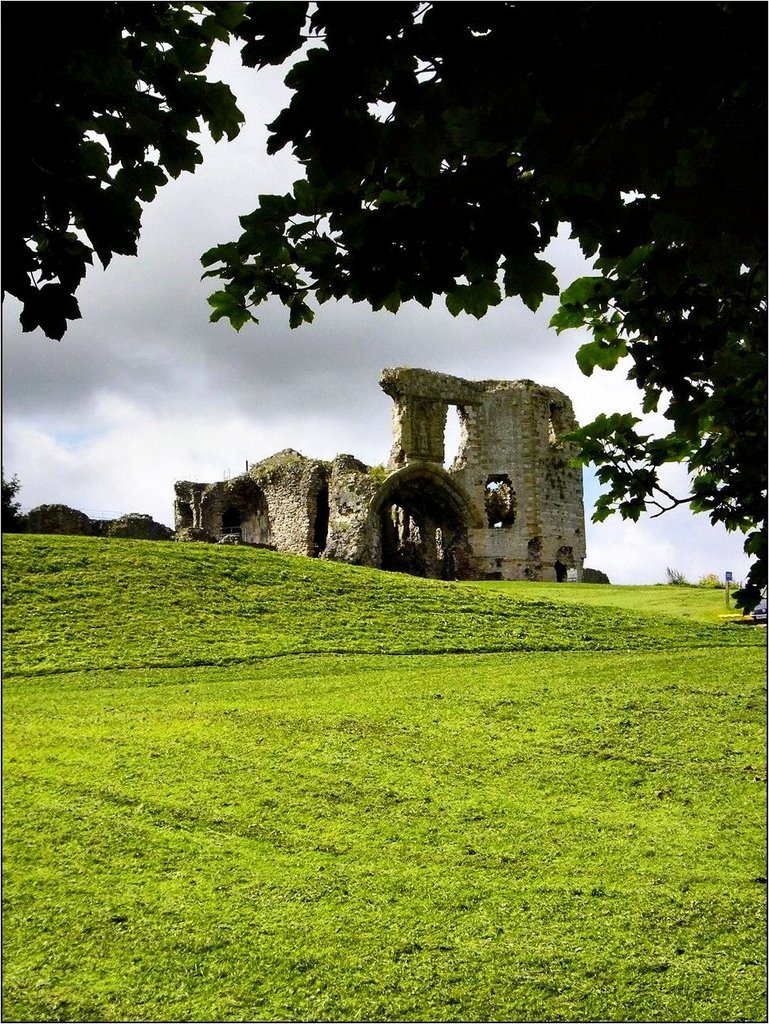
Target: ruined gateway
509, 507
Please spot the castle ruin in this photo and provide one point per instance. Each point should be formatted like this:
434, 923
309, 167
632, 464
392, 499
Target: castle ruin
509, 507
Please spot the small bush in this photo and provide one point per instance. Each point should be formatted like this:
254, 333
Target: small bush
711, 582
677, 578
12, 519
378, 474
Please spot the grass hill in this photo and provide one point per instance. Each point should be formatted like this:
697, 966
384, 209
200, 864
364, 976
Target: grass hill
87, 603
244, 786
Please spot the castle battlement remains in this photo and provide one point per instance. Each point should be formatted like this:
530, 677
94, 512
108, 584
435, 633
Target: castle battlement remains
509, 507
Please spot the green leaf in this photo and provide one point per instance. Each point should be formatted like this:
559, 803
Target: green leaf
532, 279
49, 308
474, 299
94, 159
565, 319
230, 307
602, 354
583, 292
221, 111
304, 194
273, 31
237, 316
390, 197
299, 312
227, 253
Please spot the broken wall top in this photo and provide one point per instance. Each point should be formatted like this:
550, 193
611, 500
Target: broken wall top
409, 382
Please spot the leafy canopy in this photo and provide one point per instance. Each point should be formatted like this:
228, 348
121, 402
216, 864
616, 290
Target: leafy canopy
102, 103
442, 146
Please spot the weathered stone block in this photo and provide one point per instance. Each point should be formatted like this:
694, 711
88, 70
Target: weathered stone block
137, 526
594, 576
58, 519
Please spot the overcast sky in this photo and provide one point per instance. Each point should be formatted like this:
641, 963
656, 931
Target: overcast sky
144, 391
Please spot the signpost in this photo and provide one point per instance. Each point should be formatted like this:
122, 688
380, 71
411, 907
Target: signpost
728, 580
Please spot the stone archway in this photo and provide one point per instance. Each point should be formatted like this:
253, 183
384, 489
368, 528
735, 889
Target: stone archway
420, 518
236, 508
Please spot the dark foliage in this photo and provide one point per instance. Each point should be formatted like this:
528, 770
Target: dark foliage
11, 511
101, 103
442, 146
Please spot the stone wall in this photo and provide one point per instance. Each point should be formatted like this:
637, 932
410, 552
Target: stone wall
295, 489
352, 486
58, 519
62, 519
229, 509
137, 526
509, 507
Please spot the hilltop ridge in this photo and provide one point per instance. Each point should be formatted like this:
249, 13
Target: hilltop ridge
87, 603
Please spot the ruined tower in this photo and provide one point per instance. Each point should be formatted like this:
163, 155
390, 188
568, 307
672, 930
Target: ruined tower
509, 507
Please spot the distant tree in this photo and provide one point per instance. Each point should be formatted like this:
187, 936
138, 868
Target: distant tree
11, 511
442, 146
710, 581
676, 578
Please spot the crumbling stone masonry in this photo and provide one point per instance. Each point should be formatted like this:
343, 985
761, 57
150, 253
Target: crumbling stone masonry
65, 520
509, 507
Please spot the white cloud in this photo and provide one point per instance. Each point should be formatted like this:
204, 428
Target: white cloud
642, 552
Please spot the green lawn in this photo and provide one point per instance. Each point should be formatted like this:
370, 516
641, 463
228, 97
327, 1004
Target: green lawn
698, 603
241, 786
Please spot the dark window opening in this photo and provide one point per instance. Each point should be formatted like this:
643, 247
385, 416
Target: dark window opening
565, 561
534, 567
185, 514
404, 541
232, 521
499, 501
320, 530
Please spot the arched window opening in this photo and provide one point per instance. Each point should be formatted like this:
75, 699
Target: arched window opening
557, 424
452, 436
564, 562
423, 530
499, 501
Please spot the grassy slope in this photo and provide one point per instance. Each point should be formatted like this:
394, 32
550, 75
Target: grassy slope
93, 603
531, 833
697, 603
